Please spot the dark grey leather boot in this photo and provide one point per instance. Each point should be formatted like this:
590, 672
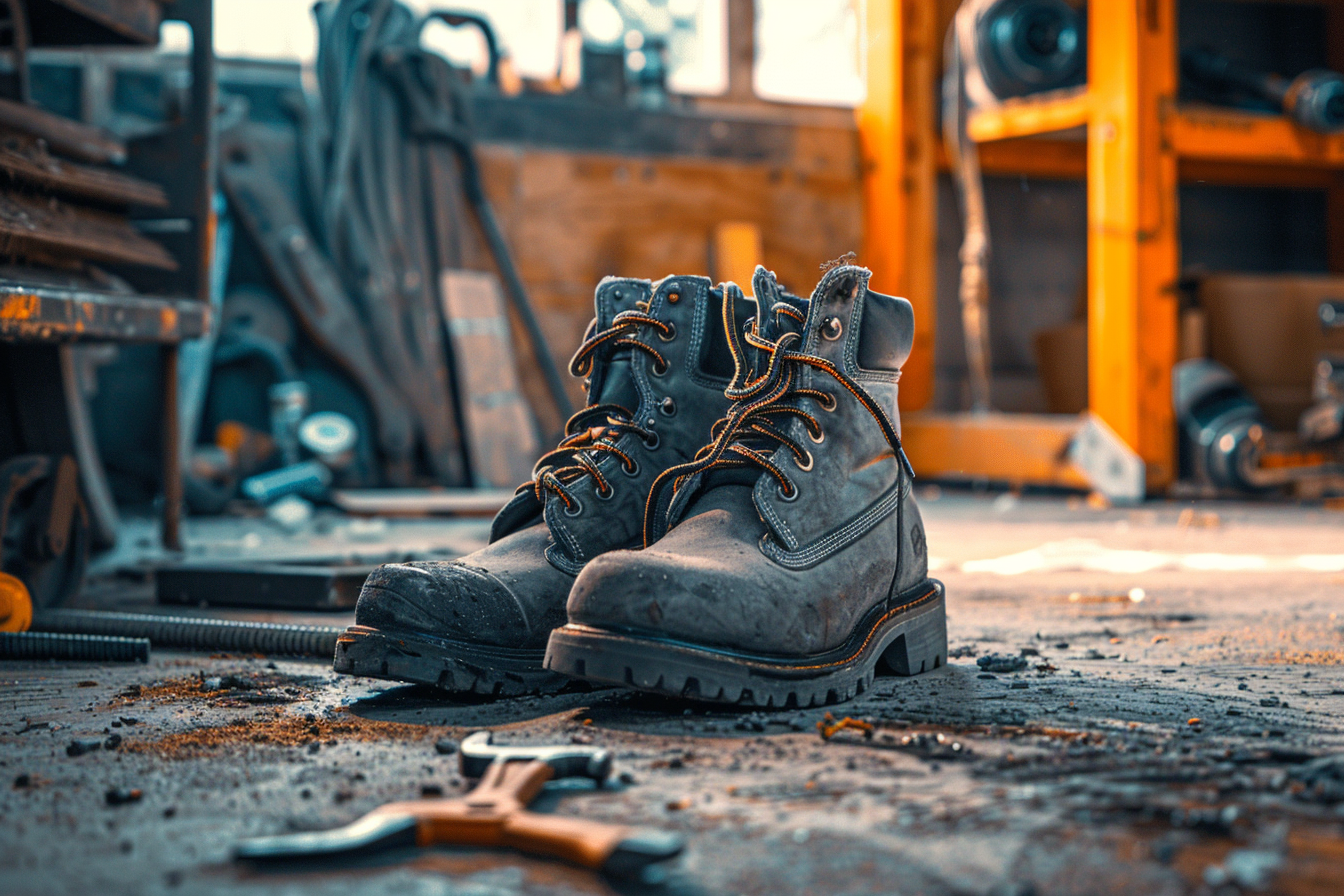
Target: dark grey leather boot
657, 361
789, 556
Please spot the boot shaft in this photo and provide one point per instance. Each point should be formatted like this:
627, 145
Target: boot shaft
852, 471
656, 362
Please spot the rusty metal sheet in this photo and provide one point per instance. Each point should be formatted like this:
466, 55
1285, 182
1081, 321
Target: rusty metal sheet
26, 160
31, 225
53, 314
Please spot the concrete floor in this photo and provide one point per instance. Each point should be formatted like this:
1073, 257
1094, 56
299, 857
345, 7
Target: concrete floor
1176, 731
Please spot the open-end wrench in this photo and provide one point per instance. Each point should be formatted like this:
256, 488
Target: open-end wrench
494, 814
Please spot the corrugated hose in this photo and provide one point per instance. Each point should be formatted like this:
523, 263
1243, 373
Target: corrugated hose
185, 633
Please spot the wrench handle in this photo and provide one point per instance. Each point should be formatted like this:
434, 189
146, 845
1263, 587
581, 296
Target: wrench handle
577, 841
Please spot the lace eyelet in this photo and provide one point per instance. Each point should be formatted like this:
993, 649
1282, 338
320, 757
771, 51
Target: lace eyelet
787, 498
577, 509
667, 407
802, 467
652, 442
671, 332
831, 328
656, 372
632, 470
830, 404
672, 297
607, 496
817, 439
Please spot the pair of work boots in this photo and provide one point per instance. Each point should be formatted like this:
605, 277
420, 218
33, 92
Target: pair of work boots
729, 519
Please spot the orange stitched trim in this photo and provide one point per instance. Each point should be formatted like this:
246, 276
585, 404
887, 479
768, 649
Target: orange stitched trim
933, 592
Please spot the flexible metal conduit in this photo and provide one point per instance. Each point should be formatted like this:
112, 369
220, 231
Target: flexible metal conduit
184, 633
93, 648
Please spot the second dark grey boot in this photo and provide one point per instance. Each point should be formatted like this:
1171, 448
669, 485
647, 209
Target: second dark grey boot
788, 560
657, 362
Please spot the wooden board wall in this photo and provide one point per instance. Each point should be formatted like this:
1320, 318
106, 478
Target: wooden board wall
572, 219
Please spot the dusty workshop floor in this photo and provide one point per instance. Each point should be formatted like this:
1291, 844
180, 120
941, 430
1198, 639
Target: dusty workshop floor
1176, 729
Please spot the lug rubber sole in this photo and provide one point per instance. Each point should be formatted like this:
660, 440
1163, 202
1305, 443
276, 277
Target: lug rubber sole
454, 666
907, 635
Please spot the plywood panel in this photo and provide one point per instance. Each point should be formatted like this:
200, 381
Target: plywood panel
575, 218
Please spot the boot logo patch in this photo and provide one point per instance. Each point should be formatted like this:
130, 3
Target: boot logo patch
917, 539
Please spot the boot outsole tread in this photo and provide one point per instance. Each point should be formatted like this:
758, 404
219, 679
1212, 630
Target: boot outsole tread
907, 642
408, 658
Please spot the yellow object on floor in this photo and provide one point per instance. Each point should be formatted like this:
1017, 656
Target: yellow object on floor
16, 607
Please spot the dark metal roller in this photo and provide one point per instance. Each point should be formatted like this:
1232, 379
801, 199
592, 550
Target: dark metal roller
184, 633
92, 648
1314, 99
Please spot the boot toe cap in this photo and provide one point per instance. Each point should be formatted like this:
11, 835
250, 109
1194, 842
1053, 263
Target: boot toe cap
695, 599
446, 599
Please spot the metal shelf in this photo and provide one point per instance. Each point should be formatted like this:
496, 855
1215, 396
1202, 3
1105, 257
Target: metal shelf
1207, 133
1045, 113
53, 314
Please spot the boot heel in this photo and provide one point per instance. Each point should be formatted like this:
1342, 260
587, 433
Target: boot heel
921, 645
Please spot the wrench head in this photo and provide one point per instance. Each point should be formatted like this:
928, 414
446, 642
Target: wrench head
569, 761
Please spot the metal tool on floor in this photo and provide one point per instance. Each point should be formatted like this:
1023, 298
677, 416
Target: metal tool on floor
494, 814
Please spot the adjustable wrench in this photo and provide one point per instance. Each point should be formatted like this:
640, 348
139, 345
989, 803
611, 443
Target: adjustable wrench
494, 814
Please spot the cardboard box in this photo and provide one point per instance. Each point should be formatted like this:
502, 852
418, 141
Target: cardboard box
1061, 358
1266, 329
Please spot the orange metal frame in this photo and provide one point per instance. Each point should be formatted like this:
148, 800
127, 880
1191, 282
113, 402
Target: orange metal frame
898, 148
1139, 144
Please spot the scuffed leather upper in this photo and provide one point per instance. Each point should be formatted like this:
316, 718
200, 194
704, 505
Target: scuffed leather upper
512, 592
744, 567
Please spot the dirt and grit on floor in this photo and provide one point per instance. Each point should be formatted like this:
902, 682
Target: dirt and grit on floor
1144, 700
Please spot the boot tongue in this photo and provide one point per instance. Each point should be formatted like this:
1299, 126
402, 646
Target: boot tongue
613, 378
772, 322
618, 381
772, 319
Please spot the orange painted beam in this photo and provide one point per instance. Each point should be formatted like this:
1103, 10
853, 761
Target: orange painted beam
896, 126
1022, 449
1042, 113
1207, 132
1133, 251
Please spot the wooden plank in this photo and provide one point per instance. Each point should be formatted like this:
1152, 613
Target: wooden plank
31, 225
84, 22
501, 434
572, 219
735, 252
27, 161
63, 135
